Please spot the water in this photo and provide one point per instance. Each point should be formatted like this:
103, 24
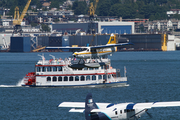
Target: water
152, 76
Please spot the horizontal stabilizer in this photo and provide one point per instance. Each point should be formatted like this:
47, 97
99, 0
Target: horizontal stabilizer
72, 104
76, 110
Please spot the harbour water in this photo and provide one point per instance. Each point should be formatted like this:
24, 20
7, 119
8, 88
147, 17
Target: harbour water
152, 76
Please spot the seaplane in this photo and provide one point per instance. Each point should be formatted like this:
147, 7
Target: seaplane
94, 51
110, 111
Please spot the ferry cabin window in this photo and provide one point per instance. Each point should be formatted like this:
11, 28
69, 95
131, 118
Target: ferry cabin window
93, 77
54, 79
48, 69
109, 76
38, 69
59, 68
76, 78
59, 78
102, 67
48, 78
87, 77
82, 78
104, 77
115, 112
99, 77
121, 111
71, 78
54, 68
65, 78
43, 69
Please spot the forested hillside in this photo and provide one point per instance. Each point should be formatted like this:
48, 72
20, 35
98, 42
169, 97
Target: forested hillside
150, 9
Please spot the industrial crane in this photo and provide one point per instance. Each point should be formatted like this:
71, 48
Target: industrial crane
92, 10
18, 19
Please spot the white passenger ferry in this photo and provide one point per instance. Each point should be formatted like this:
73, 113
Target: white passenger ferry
68, 72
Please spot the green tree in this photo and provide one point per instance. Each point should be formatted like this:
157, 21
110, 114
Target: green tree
79, 7
45, 28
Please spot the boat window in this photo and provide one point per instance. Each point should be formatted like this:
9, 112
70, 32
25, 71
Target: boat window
96, 68
109, 76
65, 78
90, 68
104, 77
48, 78
71, 78
102, 67
82, 78
93, 77
54, 79
99, 77
54, 68
38, 69
59, 68
48, 69
88, 77
85, 68
43, 69
59, 78
77, 78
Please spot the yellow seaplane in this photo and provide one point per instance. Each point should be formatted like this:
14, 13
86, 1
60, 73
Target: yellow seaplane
95, 51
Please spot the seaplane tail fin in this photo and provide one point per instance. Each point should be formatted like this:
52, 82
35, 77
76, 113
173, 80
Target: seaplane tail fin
112, 39
89, 106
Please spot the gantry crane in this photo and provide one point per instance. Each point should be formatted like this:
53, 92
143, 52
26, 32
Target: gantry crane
92, 10
18, 19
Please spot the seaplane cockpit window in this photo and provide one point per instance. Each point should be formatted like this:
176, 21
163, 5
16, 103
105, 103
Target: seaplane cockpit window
82, 49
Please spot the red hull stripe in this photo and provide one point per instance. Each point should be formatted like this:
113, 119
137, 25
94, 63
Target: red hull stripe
77, 74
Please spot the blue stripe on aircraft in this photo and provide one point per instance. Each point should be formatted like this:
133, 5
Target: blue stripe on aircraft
130, 106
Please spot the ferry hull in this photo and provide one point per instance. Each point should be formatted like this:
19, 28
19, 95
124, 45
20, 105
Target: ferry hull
112, 84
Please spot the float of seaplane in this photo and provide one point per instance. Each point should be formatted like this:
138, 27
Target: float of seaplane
110, 111
88, 67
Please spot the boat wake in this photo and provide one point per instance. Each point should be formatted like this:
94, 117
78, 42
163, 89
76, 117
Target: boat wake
19, 84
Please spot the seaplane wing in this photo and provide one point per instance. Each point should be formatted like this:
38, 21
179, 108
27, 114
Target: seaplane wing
67, 47
121, 111
110, 45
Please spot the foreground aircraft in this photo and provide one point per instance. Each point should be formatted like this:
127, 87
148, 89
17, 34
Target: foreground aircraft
109, 111
94, 51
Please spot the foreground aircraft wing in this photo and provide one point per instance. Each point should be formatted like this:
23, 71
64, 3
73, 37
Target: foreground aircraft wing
110, 45
156, 104
81, 104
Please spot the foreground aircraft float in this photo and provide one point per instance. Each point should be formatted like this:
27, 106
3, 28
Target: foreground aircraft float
94, 51
109, 111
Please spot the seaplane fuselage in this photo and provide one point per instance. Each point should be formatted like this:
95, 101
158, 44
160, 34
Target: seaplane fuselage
87, 52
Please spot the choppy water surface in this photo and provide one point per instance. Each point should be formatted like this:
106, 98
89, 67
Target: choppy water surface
152, 76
